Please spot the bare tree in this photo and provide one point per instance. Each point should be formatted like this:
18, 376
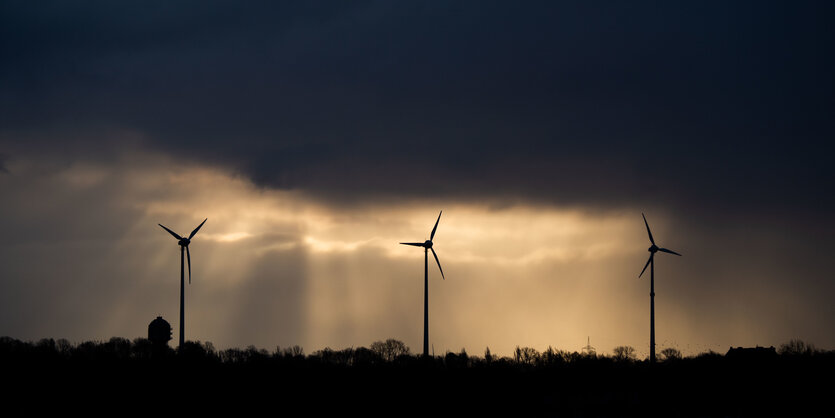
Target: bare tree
390, 349
526, 355
551, 356
64, 347
796, 347
290, 352
624, 353
670, 354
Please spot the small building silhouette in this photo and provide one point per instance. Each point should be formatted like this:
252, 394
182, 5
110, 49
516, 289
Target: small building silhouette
159, 332
748, 353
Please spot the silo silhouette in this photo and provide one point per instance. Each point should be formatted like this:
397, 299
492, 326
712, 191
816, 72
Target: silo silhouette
159, 332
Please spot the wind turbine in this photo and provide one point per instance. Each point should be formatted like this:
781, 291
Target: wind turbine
427, 245
651, 262
184, 242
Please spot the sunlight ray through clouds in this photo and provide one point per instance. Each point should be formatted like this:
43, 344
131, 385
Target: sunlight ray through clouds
319, 274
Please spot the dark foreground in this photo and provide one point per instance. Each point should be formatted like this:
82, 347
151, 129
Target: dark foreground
122, 378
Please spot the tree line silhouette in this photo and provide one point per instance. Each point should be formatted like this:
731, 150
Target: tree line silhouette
387, 378
390, 351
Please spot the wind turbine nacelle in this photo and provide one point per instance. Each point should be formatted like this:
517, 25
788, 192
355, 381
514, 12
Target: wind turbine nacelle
184, 242
428, 244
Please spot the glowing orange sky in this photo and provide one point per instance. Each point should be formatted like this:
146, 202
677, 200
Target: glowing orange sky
280, 268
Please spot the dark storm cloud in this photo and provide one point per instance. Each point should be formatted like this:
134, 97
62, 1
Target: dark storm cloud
606, 104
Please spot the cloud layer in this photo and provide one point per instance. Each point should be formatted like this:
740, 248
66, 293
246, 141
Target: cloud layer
711, 104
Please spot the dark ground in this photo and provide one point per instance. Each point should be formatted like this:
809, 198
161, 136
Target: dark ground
124, 378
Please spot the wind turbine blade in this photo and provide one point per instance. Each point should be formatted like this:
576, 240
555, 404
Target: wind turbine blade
416, 244
664, 250
432, 236
197, 229
188, 255
648, 231
645, 266
170, 232
439, 263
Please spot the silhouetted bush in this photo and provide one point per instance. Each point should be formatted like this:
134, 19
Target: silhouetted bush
365, 357
142, 348
117, 348
457, 361
196, 352
708, 355
334, 357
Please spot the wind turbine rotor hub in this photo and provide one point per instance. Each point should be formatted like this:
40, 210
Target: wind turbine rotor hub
185, 242
428, 244
653, 248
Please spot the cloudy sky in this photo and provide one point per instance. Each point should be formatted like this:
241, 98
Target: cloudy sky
316, 136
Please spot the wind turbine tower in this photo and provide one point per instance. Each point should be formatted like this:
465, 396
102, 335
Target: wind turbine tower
651, 263
427, 246
183, 243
